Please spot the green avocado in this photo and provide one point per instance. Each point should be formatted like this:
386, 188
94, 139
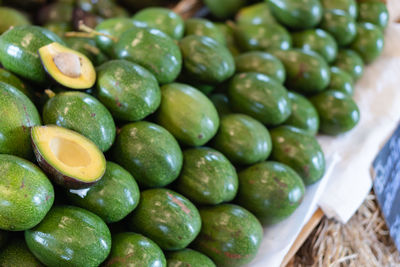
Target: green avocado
18, 115
272, 191
55, 13
351, 62
374, 12
255, 14
206, 60
223, 9
304, 115
300, 151
337, 111
166, 217
27, 194
230, 235
207, 177
340, 24
70, 236
349, 6
204, 27
242, 139
259, 96
163, 19
165, 59
227, 30
16, 253
261, 62
188, 258
341, 81
149, 152
188, 114
368, 42
11, 79
221, 103
134, 250
11, 17
18, 51
112, 198
128, 90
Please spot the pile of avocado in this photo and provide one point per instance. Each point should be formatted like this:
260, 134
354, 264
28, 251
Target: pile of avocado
153, 140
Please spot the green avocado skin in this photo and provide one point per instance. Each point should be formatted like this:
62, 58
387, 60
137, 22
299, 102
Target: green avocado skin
167, 218
224, 9
259, 13
88, 47
18, 115
11, 79
351, 62
82, 113
128, 90
373, 12
340, 24
27, 194
207, 177
11, 17
304, 115
300, 151
165, 59
18, 51
368, 42
259, 96
272, 191
204, 27
349, 6
242, 139
228, 33
188, 258
341, 81
134, 250
149, 152
221, 103
16, 253
112, 198
230, 235
70, 236
337, 111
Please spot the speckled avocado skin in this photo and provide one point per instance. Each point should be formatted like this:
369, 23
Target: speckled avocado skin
70, 236
368, 42
351, 62
341, 81
230, 235
16, 253
166, 217
256, 14
11, 79
374, 12
340, 24
134, 250
204, 27
350, 6
188, 258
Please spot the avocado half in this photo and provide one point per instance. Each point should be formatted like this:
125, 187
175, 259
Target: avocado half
67, 67
70, 159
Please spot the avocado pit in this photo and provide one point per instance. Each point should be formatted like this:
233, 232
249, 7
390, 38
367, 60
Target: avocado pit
69, 64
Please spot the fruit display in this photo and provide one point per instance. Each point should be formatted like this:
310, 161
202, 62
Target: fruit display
132, 134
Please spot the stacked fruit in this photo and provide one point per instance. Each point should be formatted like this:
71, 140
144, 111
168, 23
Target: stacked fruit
211, 125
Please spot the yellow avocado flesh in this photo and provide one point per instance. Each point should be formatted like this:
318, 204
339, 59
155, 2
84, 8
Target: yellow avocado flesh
67, 67
69, 152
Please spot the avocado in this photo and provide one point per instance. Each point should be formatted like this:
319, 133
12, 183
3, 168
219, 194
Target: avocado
207, 177
340, 25
55, 13
82, 113
204, 27
256, 14
16, 253
300, 151
27, 195
349, 6
11, 17
166, 217
11, 79
224, 9
341, 81
221, 103
296, 14
368, 42
351, 62
88, 47
149, 152
70, 236
18, 51
337, 111
272, 191
229, 33
165, 59
188, 114
70, 159
230, 235
18, 115
206, 60
112, 198
131, 249
163, 19
188, 257
306, 71
304, 115
242, 139
374, 12
128, 90
261, 62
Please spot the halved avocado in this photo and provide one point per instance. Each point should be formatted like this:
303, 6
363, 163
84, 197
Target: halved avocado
68, 67
69, 158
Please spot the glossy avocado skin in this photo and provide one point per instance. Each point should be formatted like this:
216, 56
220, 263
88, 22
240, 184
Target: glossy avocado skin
166, 217
189, 257
374, 12
259, 96
242, 139
128, 90
112, 198
337, 111
18, 51
230, 235
134, 250
272, 191
351, 62
221, 103
11, 17
340, 24
300, 151
204, 27
27, 194
258, 13
149, 152
68, 236
11, 79
16, 253
349, 6
368, 42
228, 33
341, 81
224, 9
